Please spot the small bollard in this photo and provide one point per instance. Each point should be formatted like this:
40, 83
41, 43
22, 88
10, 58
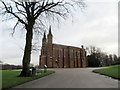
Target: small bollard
45, 68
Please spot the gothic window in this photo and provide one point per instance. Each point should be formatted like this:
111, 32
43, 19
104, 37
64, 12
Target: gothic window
78, 54
71, 52
75, 54
64, 52
56, 52
53, 52
59, 53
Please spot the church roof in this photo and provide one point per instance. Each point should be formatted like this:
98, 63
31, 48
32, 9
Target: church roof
60, 45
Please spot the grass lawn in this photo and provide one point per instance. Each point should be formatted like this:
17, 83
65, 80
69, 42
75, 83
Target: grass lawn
112, 71
10, 78
113, 66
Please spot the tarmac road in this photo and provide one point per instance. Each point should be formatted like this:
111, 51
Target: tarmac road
72, 78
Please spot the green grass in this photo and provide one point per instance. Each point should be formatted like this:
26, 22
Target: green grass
113, 66
112, 71
10, 78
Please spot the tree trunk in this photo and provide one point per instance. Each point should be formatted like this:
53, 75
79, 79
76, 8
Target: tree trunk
27, 52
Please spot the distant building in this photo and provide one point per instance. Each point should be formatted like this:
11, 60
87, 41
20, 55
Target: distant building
61, 56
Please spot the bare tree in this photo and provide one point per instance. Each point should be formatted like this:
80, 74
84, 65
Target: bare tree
92, 49
33, 14
97, 57
115, 58
110, 59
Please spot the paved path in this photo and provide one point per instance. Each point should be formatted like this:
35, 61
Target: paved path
72, 78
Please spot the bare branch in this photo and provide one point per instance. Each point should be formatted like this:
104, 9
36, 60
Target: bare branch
45, 8
8, 19
9, 10
15, 27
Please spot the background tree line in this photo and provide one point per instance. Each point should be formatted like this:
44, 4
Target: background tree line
97, 58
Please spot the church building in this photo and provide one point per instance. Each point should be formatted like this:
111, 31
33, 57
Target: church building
61, 56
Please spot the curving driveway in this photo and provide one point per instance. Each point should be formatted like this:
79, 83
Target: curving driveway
72, 78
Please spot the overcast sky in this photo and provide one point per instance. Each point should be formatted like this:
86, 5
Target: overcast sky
97, 25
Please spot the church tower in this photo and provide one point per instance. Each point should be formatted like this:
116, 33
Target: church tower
43, 52
43, 56
49, 48
49, 36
